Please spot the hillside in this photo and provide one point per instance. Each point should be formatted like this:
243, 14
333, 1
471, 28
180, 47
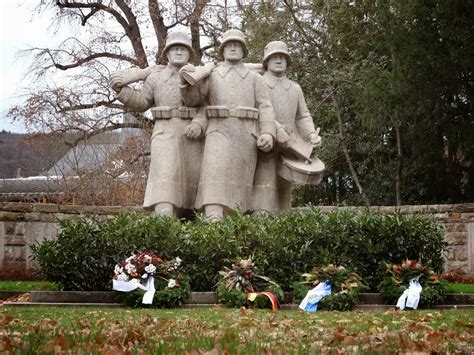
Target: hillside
32, 154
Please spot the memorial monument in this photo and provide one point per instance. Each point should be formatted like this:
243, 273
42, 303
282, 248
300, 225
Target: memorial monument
225, 137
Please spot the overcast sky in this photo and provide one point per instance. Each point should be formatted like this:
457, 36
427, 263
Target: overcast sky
20, 29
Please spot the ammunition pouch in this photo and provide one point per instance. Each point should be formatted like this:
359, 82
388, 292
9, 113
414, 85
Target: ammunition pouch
239, 112
167, 112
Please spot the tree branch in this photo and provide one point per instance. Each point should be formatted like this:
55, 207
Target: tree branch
89, 15
108, 104
111, 127
308, 38
131, 28
95, 56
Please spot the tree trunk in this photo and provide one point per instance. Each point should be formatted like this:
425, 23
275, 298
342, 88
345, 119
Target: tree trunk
346, 153
398, 173
161, 31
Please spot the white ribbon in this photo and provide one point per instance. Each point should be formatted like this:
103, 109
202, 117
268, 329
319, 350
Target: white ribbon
128, 286
411, 296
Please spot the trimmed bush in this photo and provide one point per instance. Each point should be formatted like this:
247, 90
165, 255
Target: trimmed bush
85, 252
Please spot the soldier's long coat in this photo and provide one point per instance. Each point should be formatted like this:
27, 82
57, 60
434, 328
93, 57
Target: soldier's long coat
175, 160
270, 192
230, 152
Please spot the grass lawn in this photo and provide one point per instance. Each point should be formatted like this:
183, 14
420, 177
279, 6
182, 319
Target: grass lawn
26, 286
219, 330
459, 288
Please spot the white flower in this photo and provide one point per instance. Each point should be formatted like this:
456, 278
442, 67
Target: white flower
150, 268
118, 270
130, 258
122, 277
178, 261
144, 276
171, 283
130, 268
147, 258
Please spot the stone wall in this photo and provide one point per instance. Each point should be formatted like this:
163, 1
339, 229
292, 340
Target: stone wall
23, 224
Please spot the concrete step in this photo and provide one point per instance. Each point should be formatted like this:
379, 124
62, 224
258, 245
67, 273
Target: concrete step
4, 295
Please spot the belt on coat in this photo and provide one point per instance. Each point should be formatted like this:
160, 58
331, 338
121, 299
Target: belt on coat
239, 112
167, 112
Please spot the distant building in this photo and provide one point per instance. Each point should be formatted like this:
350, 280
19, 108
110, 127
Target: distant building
80, 168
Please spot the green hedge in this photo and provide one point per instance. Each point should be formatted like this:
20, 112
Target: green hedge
85, 252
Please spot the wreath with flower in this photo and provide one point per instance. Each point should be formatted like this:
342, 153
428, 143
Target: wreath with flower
242, 286
345, 286
146, 278
397, 277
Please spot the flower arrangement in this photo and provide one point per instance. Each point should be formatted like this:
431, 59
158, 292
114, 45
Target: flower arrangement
153, 281
398, 276
345, 285
241, 280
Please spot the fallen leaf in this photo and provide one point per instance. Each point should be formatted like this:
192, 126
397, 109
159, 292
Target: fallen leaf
433, 338
7, 319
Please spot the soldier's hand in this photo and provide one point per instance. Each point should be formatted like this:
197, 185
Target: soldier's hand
189, 68
116, 80
265, 142
282, 137
315, 139
193, 131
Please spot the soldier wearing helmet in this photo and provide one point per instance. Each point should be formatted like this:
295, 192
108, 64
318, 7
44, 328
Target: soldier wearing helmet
271, 193
240, 122
175, 159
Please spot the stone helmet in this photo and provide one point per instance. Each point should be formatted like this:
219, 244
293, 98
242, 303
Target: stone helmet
233, 35
275, 47
181, 38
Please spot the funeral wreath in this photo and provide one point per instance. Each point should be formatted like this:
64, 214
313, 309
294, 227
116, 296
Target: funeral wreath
145, 278
397, 278
339, 285
241, 286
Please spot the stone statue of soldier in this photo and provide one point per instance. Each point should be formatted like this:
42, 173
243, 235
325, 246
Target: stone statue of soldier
240, 122
176, 150
272, 193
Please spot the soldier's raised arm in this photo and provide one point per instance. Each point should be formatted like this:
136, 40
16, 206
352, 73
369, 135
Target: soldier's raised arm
138, 100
